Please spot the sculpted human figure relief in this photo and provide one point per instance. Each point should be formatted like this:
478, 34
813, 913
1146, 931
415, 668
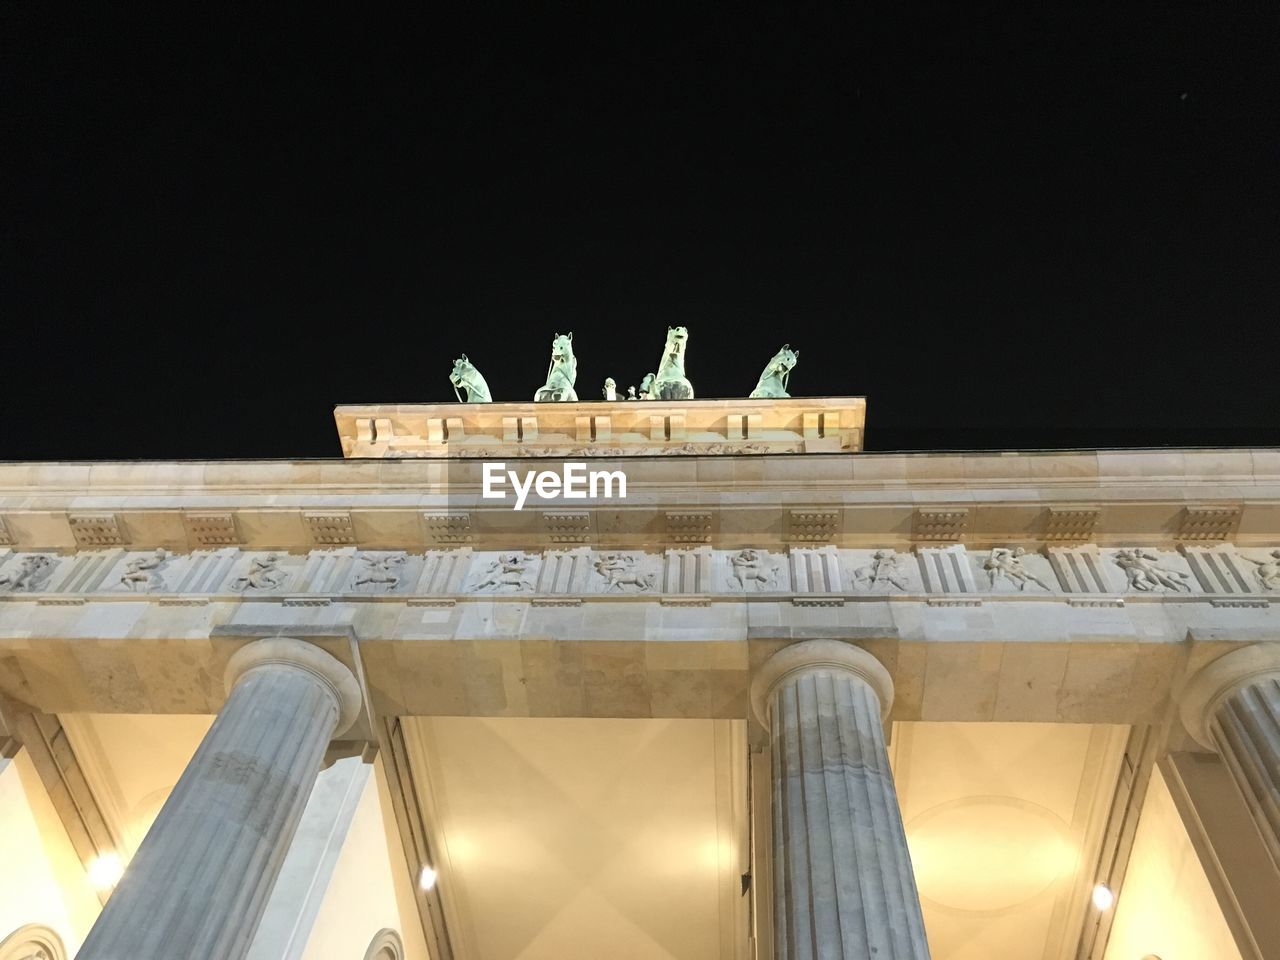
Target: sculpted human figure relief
886, 566
669, 383
142, 574
562, 372
264, 574
621, 570
466, 376
31, 574
773, 381
754, 568
1144, 572
1268, 571
610, 390
380, 572
507, 573
1007, 563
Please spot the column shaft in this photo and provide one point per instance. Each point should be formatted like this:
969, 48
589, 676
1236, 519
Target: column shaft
1245, 729
200, 880
843, 884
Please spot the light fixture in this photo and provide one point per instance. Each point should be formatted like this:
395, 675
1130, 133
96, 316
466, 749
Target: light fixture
105, 871
427, 878
1103, 898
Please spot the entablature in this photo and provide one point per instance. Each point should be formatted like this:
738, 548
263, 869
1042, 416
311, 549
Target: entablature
602, 428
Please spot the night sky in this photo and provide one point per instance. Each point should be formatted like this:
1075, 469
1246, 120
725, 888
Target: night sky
1015, 229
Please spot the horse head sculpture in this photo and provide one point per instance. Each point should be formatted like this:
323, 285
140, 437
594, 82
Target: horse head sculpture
670, 383
562, 372
773, 381
466, 376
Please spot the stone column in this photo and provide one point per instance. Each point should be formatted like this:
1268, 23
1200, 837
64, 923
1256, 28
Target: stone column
200, 880
1233, 706
842, 880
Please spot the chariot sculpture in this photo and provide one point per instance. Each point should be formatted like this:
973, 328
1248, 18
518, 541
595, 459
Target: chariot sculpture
668, 383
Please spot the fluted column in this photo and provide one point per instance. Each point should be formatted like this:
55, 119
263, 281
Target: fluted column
200, 880
842, 880
1233, 706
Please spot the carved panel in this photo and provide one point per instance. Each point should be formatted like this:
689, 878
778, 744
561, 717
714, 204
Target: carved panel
945, 569
443, 571
1209, 524
689, 526
882, 571
96, 530
449, 528
505, 572
146, 571
1265, 568
816, 570
1083, 569
27, 572
383, 571
751, 571
6, 535
1014, 570
567, 527
1219, 570
263, 572
688, 571
813, 526
211, 529
1070, 524
208, 570
331, 528
565, 571
942, 526
326, 571
630, 571
1147, 570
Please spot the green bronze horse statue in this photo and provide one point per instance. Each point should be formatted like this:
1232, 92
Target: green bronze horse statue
562, 372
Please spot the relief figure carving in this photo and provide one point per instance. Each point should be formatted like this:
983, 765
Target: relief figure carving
753, 567
1007, 563
142, 574
886, 566
1144, 572
31, 574
621, 570
508, 572
380, 572
1268, 572
264, 574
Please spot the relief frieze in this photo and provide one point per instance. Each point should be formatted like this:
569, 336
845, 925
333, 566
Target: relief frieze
1009, 572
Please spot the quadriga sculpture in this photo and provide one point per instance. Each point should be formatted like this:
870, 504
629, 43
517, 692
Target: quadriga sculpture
562, 373
772, 384
466, 376
669, 383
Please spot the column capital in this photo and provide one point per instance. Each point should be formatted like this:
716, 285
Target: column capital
299, 655
1220, 679
812, 656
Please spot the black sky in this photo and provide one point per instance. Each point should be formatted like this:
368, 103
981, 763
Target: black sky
1011, 228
